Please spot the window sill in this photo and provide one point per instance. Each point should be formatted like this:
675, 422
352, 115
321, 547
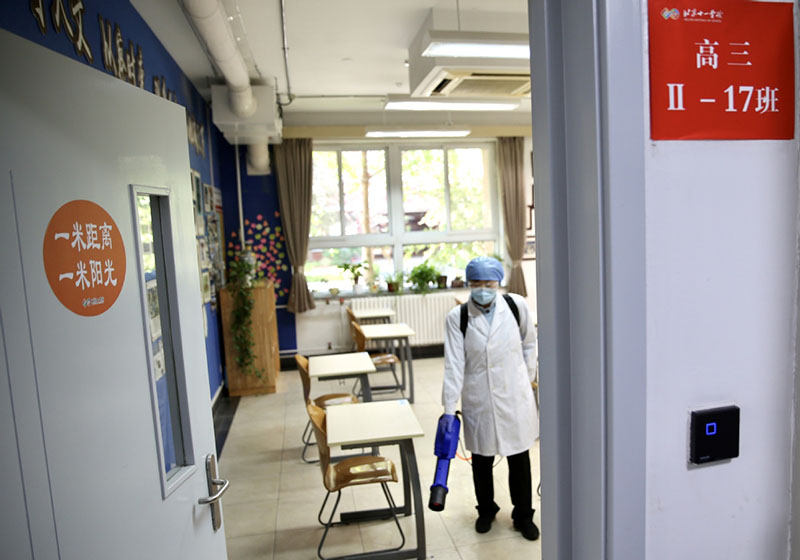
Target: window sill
380, 293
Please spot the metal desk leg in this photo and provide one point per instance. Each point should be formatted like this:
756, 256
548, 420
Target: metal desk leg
402, 355
407, 355
406, 509
407, 448
366, 389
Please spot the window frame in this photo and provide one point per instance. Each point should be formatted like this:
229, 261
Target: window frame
397, 237
172, 480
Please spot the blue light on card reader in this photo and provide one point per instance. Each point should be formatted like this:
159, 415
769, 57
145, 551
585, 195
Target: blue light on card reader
711, 428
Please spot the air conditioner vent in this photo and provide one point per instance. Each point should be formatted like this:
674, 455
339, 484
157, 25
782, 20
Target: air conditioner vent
483, 85
442, 85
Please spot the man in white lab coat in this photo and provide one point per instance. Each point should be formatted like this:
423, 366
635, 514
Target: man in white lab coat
490, 363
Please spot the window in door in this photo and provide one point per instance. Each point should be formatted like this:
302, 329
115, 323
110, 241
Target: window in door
152, 211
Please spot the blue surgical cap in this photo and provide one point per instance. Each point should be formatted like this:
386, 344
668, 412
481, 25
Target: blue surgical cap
485, 268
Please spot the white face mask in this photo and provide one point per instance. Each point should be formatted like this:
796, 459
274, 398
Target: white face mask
484, 296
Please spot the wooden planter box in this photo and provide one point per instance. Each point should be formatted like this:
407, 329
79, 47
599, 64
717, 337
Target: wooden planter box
265, 337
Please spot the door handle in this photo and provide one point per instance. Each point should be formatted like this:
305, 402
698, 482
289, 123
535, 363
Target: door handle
214, 493
218, 494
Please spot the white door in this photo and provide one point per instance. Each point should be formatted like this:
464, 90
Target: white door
110, 429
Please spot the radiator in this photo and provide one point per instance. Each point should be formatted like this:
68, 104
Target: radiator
423, 313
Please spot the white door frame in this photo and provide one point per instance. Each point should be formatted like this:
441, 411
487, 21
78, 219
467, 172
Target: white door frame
588, 73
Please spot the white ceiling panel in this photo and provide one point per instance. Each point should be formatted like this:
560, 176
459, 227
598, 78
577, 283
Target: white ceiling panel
344, 55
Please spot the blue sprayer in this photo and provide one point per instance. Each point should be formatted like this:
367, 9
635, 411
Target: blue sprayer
444, 448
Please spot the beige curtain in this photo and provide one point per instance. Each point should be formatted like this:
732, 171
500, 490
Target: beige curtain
510, 156
293, 165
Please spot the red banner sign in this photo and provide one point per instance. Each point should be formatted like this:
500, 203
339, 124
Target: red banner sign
721, 70
84, 257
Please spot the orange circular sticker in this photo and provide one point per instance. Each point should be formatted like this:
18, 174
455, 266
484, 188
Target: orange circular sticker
84, 257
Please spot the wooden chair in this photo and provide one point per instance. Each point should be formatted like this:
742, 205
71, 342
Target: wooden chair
381, 360
351, 317
321, 401
352, 471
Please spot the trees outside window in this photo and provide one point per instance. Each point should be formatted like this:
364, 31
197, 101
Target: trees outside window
391, 207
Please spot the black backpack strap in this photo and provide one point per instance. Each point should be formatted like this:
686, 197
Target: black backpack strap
465, 316
513, 306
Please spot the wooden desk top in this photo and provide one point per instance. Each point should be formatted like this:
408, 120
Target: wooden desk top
340, 364
371, 422
388, 330
378, 313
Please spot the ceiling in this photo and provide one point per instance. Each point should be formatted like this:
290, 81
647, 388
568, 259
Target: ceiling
344, 56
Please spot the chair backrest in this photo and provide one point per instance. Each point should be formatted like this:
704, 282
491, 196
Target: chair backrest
317, 417
353, 321
358, 337
302, 367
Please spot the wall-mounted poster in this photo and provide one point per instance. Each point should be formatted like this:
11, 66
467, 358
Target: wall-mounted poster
153, 311
205, 284
202, 253
208, 198
530, 249
197, 200
158, 359
197, 193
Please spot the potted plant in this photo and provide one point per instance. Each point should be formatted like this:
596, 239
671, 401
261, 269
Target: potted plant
356, 270
422, 276
394, 282
458, 282
240, 285
441, 281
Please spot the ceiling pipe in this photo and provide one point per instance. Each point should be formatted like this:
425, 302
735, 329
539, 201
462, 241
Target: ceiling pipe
211, 23
258, 158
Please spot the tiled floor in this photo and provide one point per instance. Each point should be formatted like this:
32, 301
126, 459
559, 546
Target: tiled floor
271, 508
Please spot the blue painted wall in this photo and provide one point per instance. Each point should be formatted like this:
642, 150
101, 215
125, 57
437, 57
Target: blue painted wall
19, 17
263, 232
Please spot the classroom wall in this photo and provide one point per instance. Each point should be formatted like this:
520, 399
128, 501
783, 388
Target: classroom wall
154, 71
263, 232
721, 262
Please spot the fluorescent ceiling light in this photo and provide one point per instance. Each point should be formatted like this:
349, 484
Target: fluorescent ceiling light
448, 105
477, 45
449, 133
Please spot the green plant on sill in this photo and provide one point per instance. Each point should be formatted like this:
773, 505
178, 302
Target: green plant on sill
394, 282
356, 270
240, 274
422, 276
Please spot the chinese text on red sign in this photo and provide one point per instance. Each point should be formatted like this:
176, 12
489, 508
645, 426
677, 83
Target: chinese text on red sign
721, 70
84, 258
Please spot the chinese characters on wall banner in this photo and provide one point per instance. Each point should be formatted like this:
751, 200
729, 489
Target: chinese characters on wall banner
84, 258
721, 70
124, 62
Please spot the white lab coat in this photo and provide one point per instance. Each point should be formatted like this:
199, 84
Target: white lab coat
492, 378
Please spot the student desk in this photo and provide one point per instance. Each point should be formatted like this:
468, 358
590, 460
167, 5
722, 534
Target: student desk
379, 315
399, 332
344, 366
383, 423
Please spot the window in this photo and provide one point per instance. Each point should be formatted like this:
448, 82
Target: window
349, 195
323, 266
392, 207
460, 203
449, 258
167, 383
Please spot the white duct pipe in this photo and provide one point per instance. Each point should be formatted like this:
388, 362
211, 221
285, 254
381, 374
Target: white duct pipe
211, 23
258, 158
